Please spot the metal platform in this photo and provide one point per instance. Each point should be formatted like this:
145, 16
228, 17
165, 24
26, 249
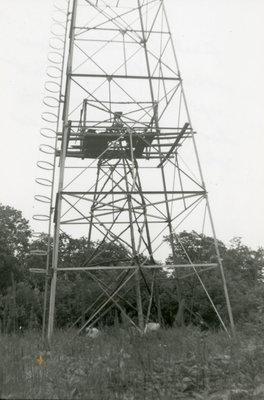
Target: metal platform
121, 141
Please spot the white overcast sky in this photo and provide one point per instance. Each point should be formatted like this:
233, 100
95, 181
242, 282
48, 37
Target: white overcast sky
219, 44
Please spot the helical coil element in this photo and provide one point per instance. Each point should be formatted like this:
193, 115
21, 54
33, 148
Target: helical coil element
52, 102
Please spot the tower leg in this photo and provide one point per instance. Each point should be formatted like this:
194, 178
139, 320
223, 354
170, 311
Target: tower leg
53, 283
139, 301
135, 255
156, 122
228, 304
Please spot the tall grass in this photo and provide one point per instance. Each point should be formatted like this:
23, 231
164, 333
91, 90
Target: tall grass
119, 364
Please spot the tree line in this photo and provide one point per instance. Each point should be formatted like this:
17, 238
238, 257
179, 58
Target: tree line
22, 292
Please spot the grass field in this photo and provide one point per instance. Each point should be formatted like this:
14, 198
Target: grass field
169, 364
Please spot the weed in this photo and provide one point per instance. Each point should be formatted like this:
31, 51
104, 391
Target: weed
169, 364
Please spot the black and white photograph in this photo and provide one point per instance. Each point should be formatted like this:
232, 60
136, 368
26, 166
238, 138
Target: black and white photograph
131, 205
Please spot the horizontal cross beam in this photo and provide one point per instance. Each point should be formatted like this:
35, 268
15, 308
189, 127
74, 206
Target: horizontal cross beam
198, 192
121, 267
109, 77
93, 28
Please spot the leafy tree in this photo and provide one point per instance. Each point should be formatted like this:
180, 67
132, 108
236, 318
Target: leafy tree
243, 270
194, 247
247, 263
14, 245
14, 232
21, 293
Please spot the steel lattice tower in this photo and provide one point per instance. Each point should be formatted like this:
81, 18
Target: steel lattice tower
126, 167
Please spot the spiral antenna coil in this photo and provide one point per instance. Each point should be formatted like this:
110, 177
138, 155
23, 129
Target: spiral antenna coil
53, 102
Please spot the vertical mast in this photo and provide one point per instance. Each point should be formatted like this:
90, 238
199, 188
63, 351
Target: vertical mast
61, 175
156, 121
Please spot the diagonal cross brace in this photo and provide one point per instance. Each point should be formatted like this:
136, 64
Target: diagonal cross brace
175, 144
